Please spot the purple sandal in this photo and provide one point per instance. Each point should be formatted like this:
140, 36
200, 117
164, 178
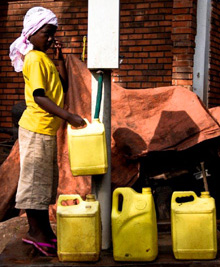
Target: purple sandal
40, 246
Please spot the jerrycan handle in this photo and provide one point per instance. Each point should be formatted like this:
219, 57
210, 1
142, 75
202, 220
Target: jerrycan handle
117, 202
71, 199
69, 126
183, 196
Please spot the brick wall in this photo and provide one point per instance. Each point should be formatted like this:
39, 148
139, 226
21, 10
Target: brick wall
156, 43
145, 43
214, 77
183, 37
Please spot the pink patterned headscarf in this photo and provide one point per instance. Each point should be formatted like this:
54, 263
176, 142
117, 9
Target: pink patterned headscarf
34, 19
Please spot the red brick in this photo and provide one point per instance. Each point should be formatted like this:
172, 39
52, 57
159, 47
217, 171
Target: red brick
7, 102
134, 72
128, 42
183, 76
158, 4
134, 60
127, 79
142, 42
162, 84
124, 37
148, 85
4, 136
182, 82
126, 67
182, 30
125, 13
183, 69
6, 113
122, 31
141, 67
182, 50
150, 60
182, 4
136, 49
141, 55
183, 24
150, 48
140, 6
134, 85
135, 36
155, 79
10, 91
164, 10
185, 17
167, 79
123, 19
156, 54
6, 124
127, 6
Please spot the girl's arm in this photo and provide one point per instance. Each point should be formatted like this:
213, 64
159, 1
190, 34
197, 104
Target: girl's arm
45, 103
61, 64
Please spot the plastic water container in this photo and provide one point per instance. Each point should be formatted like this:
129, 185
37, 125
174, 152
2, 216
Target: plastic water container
78, 228
193, 225
134, 225
87, 149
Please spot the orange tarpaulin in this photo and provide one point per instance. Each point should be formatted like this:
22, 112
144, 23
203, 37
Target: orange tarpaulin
144, 120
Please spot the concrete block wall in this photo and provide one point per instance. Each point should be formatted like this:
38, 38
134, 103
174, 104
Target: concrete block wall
156, 43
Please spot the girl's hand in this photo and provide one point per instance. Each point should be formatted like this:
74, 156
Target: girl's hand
75, 120
58, 49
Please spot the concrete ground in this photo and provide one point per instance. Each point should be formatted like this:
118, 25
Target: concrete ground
15, 253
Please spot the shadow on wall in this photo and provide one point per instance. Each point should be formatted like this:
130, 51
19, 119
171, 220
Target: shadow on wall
128, 142
168, 130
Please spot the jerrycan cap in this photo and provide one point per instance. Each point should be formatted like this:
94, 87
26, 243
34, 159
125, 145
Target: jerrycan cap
205, 194
97, 120
90, 197
146, 190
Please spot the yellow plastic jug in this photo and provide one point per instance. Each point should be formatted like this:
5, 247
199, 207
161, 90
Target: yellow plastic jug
193, 225
87, 149
134, 225
78, 228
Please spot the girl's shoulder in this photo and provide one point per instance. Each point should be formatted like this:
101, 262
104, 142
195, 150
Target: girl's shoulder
35, 55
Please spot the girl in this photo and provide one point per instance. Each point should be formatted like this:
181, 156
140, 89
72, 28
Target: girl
44, 90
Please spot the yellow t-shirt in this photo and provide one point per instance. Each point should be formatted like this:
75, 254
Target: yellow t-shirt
40, 72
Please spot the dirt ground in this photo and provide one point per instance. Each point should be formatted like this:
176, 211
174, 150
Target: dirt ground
15, 253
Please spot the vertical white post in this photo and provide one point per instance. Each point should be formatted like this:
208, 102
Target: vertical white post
103, 34
101, 184
201, 56
103, 54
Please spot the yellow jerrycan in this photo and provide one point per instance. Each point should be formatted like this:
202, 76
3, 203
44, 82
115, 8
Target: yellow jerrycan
134, 225
87, 149
78, 228
193, 226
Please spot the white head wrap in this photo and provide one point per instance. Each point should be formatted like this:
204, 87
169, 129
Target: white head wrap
34, 19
